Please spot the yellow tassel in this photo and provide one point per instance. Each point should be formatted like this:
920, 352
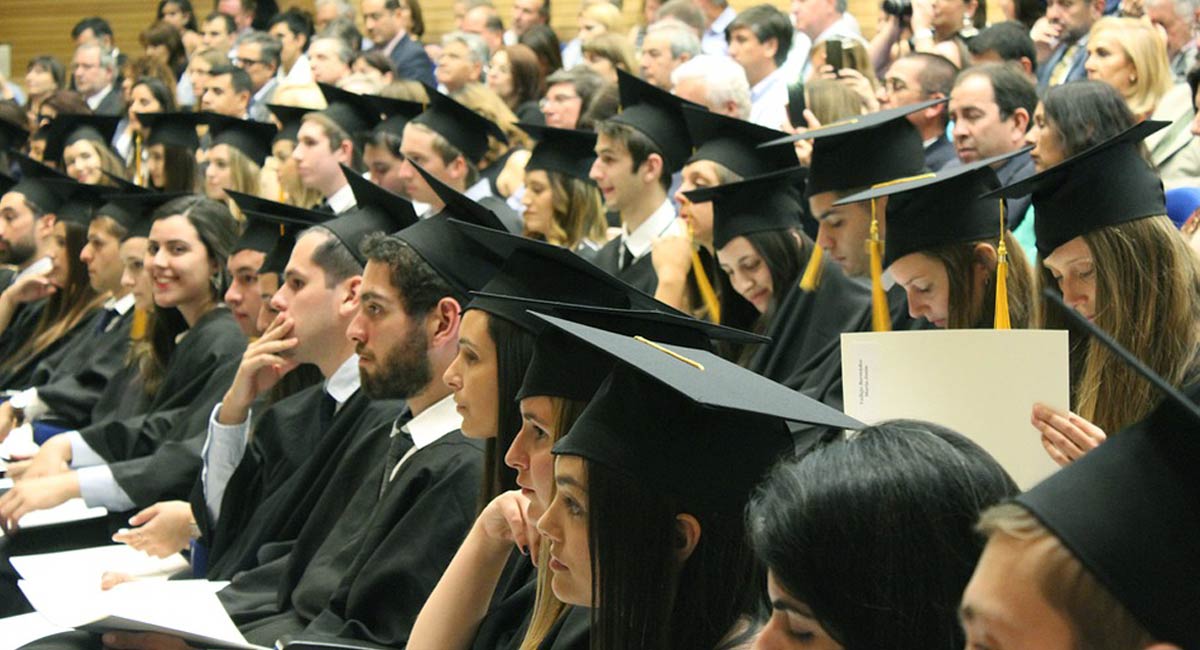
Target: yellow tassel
137, 159
812, 272
881, 317
137, 329
707, 294
1002, 320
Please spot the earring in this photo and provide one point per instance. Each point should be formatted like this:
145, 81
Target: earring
1132, 79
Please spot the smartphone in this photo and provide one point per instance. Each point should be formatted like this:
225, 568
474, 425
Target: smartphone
796, 105
833, 54
40, 267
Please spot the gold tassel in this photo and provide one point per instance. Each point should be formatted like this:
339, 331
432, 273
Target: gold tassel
137, 159
137, 328
812, 272
706, 290
1002, 321
881, 318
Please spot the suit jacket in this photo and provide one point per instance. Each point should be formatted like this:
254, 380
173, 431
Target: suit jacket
1173, 150
257, 109
1013, 170
940, 153
112, 104
411, 61
1074, 73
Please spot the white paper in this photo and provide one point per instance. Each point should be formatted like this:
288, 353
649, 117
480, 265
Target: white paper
19, 443
981, 383
188, 609
16, 631
66, 512
85, 567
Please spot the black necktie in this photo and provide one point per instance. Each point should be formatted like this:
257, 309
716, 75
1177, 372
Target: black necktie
323, 206
398, 445
105, 319
325, 412
626, 257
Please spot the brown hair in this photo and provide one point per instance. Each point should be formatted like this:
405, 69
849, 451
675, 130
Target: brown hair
527, 80
832, 101
1098, 620
165, 34
578, 211
615, 48
968, 311
1142, 267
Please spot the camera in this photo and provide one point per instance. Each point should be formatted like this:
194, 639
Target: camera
898, 8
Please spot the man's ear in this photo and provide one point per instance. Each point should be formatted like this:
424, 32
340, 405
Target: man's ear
349, 304
651, 168
458, 168
1020, 118
345, 152
771, 47
441, 325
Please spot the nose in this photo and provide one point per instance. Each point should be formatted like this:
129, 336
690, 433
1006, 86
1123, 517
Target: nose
1031, 136
960, 129
232, 295
547, 524
916, 308
355, 330
824, 238
595, 172
451, 377
279, 301
516, 457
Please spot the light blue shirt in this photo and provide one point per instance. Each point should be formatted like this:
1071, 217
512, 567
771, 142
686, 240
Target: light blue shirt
714, 41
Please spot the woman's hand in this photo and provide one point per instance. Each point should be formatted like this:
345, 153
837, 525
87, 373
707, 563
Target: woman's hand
53, 457
506, 519
804, 147
854, 80
28, 289
163, 529
1066, 437
36, 494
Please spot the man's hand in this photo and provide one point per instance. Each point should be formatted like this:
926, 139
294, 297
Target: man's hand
52, 458
162, 529
1045, 35
36, 494
142, 641
263, 364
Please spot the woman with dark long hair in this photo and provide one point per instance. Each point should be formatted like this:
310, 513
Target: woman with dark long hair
833, 580
147, 95
44, 75
514, 75
180, 15
170, 144
163, 42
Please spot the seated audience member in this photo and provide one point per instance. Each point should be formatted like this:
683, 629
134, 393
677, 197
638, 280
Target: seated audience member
163, 42
227, 91
146, 95
282, 166
95, 75
916, 78
258, 53
170, 145
326, 141
330, 59
515, 76
79, 144
1006, 42
608, 53
484, 21
1073, 118
236, 155
385, 23
596, 17
501, 152
199, 66
717, 83
294, 31
759, 39
667, 45
568, 94
44, 74
562, 205
898, 591
461, 61
1178, 23
219, 32
381, 149
374, 65
1062, 40
544, 43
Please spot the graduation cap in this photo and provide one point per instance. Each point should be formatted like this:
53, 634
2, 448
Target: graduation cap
353, 113
6, 183
579, 378
561, 150
172, 129
1128, 509
67, 129
732, 143
863, 150
537, 270
133, 209
81, 200
709, 419
459, 205
753, 205
658, 115
277, 258
251, 138
290, 117
286, 221
386, 206
397, 113
12, 135
385, 214
1105, 185
462, 127
34, 185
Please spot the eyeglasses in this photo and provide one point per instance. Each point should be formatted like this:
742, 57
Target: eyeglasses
557, 99
242, 63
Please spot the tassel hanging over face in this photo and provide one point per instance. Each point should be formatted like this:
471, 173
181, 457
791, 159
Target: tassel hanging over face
1002, 320
881, 318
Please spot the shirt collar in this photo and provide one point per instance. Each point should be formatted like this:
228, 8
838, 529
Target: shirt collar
99, 97
342, 199
480, 190
718, 26
433, 423
120, 305
344, 381
766, 84
387, 49
264, 93
661, 220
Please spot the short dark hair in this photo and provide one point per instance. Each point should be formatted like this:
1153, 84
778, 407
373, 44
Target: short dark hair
1086, 113
230, 24
766, 23
544, 42
297, 21
936, 76
269, 47
238, 77
184, 6
1009, 40
98, 25
639, 145
333, 257
417, 284
1011, 88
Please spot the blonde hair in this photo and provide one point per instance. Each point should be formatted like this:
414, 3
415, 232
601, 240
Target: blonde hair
615, 48
1145, 50
603, 12
968, 311
487, 103
578, 211
1142, 267
832, 101
1098, 620
243, 177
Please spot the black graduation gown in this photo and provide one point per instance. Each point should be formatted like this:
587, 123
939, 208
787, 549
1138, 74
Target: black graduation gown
507, 617
122, 397
156, 456
640, 274
71, 380
21, 376
416, 528
21, 327
281, 476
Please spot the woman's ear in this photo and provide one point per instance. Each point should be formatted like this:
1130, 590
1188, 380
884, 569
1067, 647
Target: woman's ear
686, 536
984, 266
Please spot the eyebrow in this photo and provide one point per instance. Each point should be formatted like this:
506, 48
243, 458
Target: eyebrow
375, 296
784, 606
245, 268
568, 481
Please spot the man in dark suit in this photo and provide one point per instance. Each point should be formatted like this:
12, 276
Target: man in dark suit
919, 77
1062, 40
94, 70
385, 25
95, 28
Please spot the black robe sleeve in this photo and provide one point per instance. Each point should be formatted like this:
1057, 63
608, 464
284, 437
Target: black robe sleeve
72, 387
22, 375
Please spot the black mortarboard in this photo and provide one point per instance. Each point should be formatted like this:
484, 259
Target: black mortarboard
561, 150
580, 377
397, 113
354, 113
277, 258
132, 209
1106, 185
68, 128
6, 183
81, 200
34, 186
658, 115
460, 126
732, 143
251, 138
259, 234
756, 204
289, 221
709, 419
392, 208
172, 129
939, 209
458, 205
254, 205
1129, 510
465, 264
12, 135
862, 151
290, 118
353, 226
534, 269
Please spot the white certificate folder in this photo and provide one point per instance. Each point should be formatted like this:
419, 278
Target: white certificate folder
981, 383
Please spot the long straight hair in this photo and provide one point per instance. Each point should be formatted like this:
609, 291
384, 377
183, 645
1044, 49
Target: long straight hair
642, 598
514, 349
1144, 268
785, 252
969, 311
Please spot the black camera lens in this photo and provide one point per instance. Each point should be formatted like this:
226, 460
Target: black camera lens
898, 8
